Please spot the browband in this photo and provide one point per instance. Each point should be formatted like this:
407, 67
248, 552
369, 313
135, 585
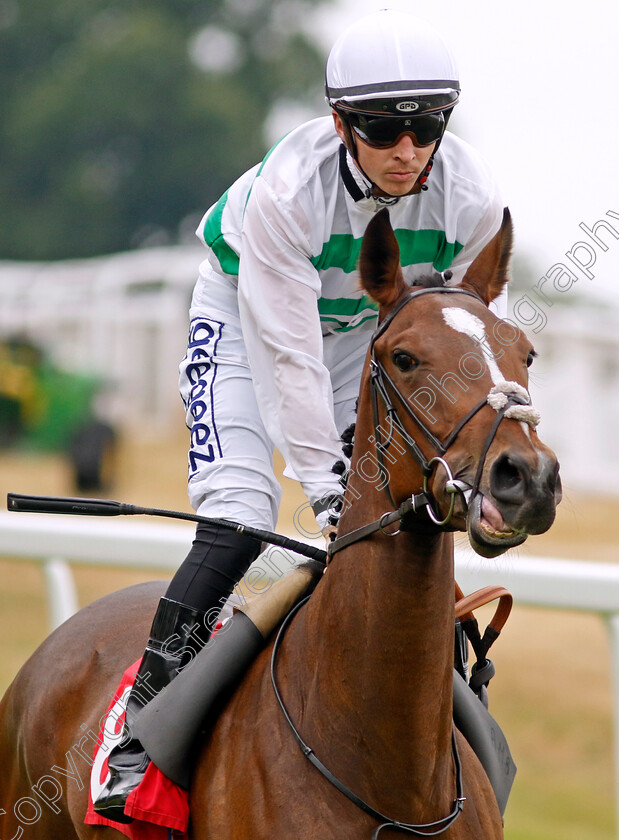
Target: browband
414, 293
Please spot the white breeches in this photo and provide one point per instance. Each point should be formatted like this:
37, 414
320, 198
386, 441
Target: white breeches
231, 456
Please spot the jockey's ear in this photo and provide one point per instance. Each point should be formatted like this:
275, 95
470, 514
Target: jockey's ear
379, 262
489, 271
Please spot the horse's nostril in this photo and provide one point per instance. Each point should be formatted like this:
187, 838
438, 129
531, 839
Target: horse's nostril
508, 479
510, 474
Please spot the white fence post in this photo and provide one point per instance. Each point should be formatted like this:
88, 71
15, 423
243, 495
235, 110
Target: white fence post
62, 600
613, 627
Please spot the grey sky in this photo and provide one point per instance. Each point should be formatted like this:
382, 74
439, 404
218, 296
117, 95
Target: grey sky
540, 102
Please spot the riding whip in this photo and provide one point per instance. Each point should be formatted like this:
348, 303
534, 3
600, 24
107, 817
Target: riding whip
106, 507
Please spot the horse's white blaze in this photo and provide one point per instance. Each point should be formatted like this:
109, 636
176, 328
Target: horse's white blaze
469, 324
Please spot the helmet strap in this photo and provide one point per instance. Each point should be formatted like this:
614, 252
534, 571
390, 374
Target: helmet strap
350, 142
426, 172
353, 188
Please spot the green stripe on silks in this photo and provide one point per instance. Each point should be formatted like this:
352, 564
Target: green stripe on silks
486, 738
214, 238
347, 313
429, 246
416, 246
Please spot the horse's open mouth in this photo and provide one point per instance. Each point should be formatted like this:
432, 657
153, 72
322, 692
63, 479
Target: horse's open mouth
489, 534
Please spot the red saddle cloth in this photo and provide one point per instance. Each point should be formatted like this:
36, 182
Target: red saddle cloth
160, 809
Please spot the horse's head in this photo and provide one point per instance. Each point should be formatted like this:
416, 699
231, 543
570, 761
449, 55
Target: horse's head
448, 380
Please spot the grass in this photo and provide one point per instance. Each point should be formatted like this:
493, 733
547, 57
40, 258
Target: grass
551, 695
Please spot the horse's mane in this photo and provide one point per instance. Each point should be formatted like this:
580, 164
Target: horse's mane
316, 570
433, 280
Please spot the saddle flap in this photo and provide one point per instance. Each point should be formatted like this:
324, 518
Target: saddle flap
486, 738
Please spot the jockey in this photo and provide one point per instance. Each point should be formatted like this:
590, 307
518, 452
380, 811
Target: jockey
279, 328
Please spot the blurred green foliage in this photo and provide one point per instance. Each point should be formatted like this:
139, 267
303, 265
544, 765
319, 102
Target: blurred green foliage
120, 119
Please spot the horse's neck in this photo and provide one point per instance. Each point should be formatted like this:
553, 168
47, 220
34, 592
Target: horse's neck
379, 636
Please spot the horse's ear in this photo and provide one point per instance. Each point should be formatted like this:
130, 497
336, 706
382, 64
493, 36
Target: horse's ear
379, 261
489, 271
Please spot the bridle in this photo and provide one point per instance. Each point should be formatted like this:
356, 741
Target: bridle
509, 399
381, 385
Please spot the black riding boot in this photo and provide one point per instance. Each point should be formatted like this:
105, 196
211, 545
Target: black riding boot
217, 560
177, 629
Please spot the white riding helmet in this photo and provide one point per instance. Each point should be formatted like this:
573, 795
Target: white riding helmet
391, 63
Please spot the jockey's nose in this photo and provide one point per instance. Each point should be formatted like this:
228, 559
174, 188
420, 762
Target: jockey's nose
405, 147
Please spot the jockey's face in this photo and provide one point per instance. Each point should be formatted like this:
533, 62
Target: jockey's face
395, 169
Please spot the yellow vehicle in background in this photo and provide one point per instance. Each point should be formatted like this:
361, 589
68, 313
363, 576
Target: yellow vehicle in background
44, 408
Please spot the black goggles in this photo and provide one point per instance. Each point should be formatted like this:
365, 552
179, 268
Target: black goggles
382, 132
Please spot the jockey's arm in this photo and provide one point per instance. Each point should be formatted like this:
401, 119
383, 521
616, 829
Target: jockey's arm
278, 294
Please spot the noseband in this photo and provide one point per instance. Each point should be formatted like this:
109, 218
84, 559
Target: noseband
509, 399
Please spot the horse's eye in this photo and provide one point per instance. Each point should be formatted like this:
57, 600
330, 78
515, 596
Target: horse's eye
403, 361
530, 358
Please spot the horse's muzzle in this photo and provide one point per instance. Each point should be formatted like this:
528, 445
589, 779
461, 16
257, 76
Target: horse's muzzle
526, 498
518, 501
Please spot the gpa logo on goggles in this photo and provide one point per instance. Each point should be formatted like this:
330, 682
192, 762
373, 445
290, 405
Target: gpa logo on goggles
409, 105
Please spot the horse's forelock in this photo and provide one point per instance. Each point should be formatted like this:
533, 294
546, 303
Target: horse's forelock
429, 281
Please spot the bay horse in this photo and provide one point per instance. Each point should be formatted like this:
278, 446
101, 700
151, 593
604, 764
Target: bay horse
445, 435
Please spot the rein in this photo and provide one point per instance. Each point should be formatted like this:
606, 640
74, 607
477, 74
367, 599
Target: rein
418, 830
